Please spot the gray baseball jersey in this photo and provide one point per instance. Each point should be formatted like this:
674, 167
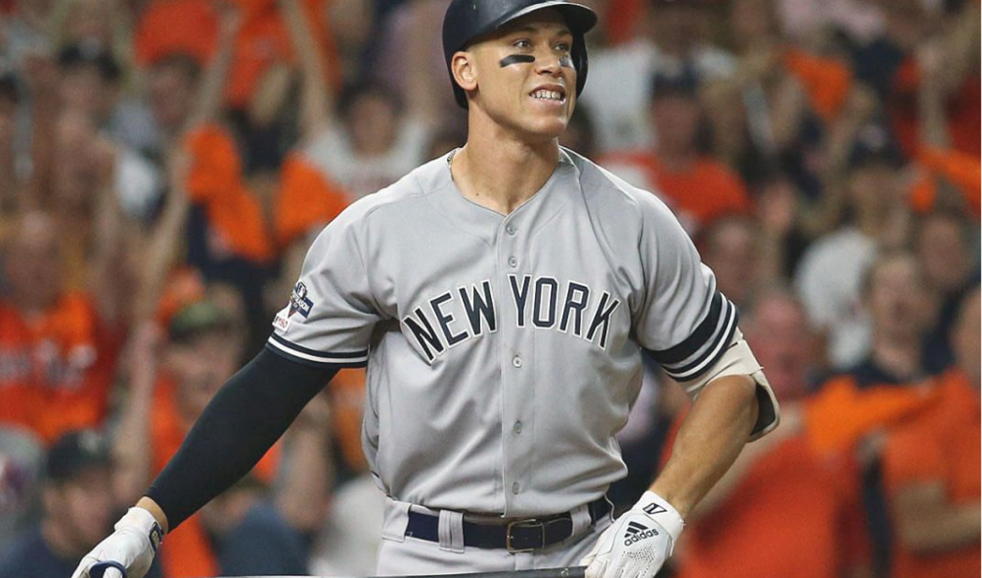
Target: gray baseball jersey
503, 352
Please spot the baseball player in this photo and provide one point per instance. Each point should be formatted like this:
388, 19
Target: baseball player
501, 298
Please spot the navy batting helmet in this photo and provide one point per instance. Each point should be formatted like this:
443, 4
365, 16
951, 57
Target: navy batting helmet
466, 20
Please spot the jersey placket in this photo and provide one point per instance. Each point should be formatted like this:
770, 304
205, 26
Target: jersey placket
517, 362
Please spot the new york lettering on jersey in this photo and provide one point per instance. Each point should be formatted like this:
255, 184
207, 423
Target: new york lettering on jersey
544, 303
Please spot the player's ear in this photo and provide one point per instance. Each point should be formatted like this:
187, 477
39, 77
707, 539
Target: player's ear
464, 70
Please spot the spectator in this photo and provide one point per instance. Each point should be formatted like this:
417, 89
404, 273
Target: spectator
173, 83
889, 63
741, 528
830, 274
694, 185
78, 509
943, 245
21, 467
895, 293
12, 178
731, 247
172, 380
366, 139
57, 352
261, 48
89, 90
931, 476
674, 34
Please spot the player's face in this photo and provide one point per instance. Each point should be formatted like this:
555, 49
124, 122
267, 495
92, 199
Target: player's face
524, 75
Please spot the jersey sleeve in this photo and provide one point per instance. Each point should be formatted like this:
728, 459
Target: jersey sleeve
683, 322
332, 312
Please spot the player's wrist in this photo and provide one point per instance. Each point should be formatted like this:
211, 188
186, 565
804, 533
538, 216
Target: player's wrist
144, 523
662, 511
156, 512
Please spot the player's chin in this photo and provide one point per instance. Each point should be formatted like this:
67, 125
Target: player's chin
550, 126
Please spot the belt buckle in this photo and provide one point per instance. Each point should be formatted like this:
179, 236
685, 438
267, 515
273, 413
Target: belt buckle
527, 523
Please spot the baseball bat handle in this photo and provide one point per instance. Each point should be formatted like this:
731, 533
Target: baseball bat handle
98, 570
564, 572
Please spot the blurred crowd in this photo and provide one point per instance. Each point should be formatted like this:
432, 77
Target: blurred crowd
164, 165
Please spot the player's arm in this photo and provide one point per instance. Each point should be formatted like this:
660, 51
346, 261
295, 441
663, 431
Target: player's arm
238, 427
750, 455
690, 329
709, 441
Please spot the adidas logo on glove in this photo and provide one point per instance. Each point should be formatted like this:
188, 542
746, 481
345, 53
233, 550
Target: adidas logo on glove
636, 532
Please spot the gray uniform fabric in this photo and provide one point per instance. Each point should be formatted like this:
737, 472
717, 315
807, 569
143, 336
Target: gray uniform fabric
503, 352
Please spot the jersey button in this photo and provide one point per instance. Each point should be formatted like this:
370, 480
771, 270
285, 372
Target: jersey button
516, 361
512, 261
510, 229
516, 488
517, 428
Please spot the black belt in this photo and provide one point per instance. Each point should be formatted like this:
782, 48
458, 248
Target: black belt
521, 535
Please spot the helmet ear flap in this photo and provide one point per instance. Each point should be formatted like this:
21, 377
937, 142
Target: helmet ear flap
580, 61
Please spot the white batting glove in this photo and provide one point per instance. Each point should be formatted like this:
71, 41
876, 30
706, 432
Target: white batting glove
127, 552
638, 542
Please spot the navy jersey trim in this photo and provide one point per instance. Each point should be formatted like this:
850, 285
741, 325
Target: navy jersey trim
707, 343
320, 364
307, 356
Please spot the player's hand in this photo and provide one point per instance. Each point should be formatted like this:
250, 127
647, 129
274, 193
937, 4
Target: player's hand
127, 552
638, 542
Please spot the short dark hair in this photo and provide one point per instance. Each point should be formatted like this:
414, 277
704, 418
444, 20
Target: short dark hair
884, 257
181, 61
352, 92
198, 318
75, 451
91, 53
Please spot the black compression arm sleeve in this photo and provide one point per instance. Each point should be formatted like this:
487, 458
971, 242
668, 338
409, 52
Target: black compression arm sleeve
241, 423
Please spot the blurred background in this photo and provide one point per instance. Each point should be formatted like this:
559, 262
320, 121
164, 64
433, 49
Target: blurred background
164, 165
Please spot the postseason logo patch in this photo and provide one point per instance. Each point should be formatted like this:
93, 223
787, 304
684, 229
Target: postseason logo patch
299, 303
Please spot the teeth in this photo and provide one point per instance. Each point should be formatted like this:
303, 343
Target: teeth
547, 95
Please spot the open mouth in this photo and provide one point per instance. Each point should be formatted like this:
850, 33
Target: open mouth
549, 95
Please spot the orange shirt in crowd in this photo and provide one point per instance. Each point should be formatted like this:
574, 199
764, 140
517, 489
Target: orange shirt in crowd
306, 198
187, 552
191, 27
794, 515
827, 81
56, 370
840, 414
697, 194
216, 182
961, 170
940, 445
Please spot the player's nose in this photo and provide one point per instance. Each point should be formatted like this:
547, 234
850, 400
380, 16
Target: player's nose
550, 63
